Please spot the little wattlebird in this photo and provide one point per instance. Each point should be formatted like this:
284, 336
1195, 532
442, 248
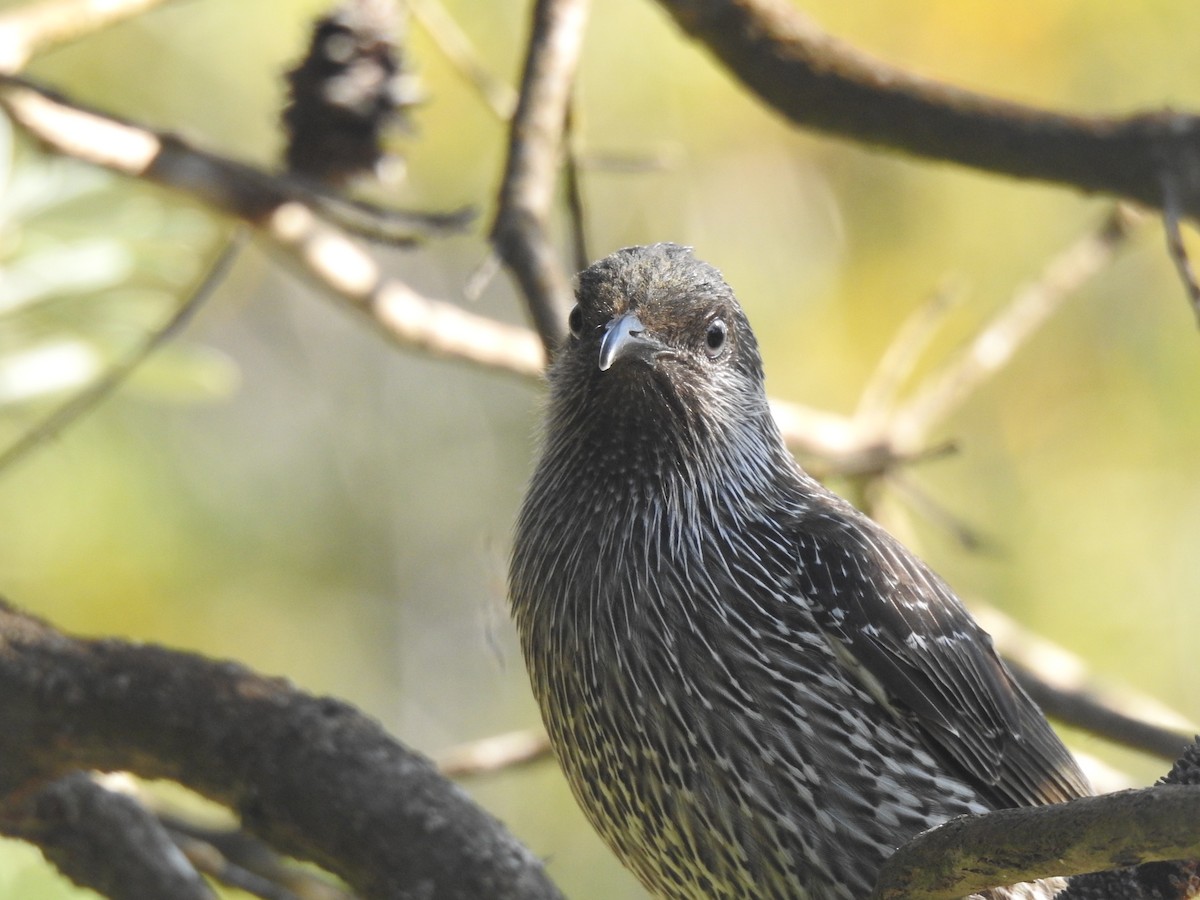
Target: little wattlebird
754, 690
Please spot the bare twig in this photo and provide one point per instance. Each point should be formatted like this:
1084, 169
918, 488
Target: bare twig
35, 27
79, 404
273, 205
1064, 685
443, 329
209, 861
457, 48
397, 227
241, 860
827, 435
879, 436
348, 270
1015, 845
820, 82
1088, 712
492, 754
520, 232
879, 395
1175, 246
576, 216
994, 346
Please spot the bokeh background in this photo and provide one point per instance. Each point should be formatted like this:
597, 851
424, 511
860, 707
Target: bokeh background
284, 488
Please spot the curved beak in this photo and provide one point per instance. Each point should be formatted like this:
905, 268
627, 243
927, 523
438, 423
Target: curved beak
623, 335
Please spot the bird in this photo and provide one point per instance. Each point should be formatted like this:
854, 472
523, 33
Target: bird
753, 689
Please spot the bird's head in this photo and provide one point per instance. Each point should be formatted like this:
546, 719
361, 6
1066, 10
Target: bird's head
659, 345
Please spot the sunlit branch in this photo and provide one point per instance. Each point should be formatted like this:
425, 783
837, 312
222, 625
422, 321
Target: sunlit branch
325, 253
36, 27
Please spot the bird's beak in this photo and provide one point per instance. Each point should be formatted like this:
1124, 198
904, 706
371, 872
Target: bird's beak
623, 335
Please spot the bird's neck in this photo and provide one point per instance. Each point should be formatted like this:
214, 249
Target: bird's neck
657, 472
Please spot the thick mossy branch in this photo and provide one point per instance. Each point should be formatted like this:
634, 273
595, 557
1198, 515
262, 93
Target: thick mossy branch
312, 776
1092, 834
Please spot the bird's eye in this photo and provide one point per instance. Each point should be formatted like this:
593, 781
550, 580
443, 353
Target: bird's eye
714, 338
575, 321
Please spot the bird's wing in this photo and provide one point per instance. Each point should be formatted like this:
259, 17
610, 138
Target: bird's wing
912, 641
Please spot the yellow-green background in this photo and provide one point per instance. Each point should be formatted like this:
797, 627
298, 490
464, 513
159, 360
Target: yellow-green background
286, 489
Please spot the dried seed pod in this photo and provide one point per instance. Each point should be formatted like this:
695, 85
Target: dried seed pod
350, 89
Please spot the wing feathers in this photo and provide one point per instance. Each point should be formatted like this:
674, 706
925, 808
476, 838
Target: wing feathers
913, 637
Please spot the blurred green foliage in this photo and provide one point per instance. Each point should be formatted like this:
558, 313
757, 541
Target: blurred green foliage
284, 488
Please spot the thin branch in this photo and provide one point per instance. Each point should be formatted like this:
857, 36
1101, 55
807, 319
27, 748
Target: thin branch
79, 404
1096, 715
1063, 683
878, 437
398, 227
520, 232
457, 48
573, 185
311, 776
274, 206
282, 213
820, 82
992, 348
342, 266
1175, 246
236, 858
1011, 846
880, 394
493, 754
829, 436
36, 27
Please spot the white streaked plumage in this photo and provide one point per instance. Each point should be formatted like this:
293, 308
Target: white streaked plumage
753, 690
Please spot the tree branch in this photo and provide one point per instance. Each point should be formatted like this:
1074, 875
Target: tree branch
79, 404
1100, 716
309, 775
818, 81
235, 858
458, 50
103, 840
35, 27
942, 392
340, 265
520, 231
288, 215
492, 754
1011, 846
1064, 686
